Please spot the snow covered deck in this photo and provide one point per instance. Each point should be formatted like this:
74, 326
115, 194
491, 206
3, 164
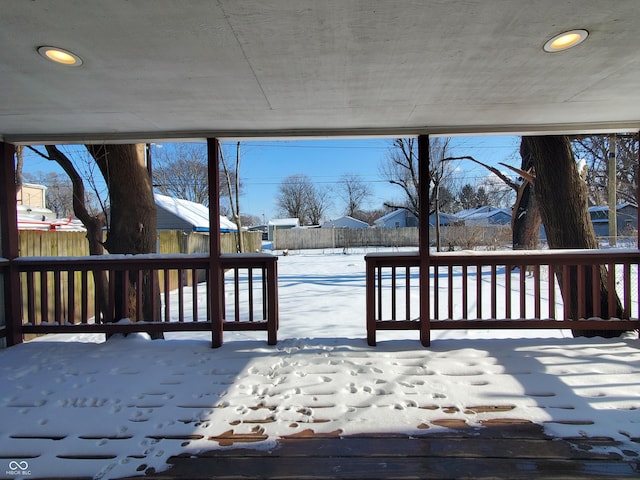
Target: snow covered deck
496, 403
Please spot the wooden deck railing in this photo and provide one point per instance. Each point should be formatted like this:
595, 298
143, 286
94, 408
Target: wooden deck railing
62, 295
502, 290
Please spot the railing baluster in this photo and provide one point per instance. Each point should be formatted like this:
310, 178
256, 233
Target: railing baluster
523, 291
31, 298
180, 296
536, 291
596, 287
436, 292
581, 291
494, 291
407, 298
611, 286
84, 299
250, 291
507, 290
566, 283
44, 297
166, 280
194, 294
71, 297
478, 291
266, 303
379, 298
450, 290
139, 288
236, 291
551, 280
465, 292
627, 290
393, 293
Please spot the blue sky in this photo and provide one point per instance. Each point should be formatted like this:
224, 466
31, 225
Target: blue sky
265, 164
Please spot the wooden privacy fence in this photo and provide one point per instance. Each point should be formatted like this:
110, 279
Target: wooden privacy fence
62, 296
502, 290
318, 238
450, 236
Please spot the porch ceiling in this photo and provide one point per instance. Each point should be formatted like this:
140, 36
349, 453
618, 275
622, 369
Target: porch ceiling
166, 68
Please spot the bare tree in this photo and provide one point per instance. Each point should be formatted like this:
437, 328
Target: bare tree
562, 196
233, 191
400, 168
354, 192
132, 227
595, 150
319, 203
299, 198
180, 170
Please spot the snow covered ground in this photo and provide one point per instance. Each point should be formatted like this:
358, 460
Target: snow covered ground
80, 406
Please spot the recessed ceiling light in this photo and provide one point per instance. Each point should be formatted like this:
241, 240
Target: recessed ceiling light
565, 40
60, 55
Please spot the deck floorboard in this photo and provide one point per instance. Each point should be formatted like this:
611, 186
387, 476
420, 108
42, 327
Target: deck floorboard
512, 452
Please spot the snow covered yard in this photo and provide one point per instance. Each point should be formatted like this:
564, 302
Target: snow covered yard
80, 406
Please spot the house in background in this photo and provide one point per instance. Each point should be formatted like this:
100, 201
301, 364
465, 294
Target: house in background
345, 222
33, 214
397, 219
281, 224
626, 222
484, 216
32, 195
180, 214
446, 219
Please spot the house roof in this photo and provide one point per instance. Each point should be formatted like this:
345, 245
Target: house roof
474, 211
160, 69
345, 221
482, 212
399, 212
284, 222
194, 213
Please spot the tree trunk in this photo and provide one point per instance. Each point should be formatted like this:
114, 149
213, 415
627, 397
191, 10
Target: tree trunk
525, 225
562, 197
132, 225
94, 225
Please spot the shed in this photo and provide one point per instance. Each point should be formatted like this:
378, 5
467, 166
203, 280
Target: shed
345, 222
281, 224
180, 214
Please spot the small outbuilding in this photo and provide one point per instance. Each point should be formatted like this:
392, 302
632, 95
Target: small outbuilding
180, 214
345, 222
281, 224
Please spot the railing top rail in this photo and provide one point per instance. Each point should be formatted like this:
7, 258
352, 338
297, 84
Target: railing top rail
114, 261
375, 255
523, 257
511, 257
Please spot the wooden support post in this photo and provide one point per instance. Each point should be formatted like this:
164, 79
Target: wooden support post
216, 278
11, 301
423, 235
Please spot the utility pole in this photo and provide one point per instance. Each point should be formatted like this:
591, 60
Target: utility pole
612, 200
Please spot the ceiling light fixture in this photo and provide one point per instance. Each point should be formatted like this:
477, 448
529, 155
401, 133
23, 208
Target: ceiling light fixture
60, 55
565, 40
